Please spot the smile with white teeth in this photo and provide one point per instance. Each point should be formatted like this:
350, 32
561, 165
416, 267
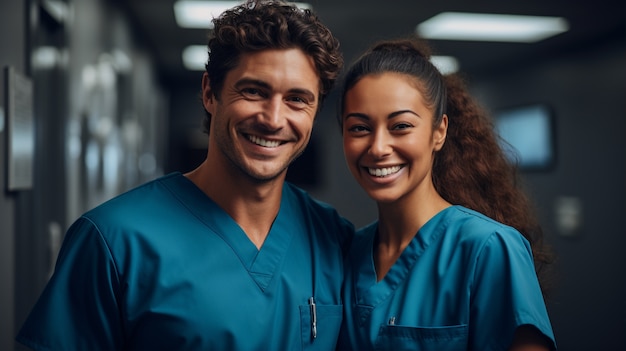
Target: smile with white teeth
383, 172
263, 142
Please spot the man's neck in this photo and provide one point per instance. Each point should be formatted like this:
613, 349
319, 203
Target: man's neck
252, 204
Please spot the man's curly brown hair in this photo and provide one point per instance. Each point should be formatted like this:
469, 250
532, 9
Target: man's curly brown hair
261, 25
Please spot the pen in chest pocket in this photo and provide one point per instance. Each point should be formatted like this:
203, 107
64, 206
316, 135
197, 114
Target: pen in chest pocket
313, 310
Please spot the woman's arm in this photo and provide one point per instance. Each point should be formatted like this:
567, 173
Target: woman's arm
529, 338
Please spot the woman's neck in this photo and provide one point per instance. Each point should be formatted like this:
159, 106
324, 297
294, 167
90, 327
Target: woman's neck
398, 223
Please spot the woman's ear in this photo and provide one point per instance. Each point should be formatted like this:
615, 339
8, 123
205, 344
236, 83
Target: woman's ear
440, 133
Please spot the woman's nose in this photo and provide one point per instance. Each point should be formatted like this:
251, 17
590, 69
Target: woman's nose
380, 145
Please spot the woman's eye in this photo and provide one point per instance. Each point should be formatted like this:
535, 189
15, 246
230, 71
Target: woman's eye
402, 126
357, 129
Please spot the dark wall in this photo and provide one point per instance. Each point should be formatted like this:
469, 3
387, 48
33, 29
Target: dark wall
12, 53
187, 142
99, 129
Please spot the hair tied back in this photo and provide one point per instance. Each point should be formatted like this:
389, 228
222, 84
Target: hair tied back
413, 46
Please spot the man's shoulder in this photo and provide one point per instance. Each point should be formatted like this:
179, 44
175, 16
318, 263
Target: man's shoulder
320, 211
306, 201
149, 198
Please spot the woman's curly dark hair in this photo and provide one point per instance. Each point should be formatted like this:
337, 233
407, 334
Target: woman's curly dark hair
471, 168
260, 25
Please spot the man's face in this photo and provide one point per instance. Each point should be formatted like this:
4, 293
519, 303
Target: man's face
263, 117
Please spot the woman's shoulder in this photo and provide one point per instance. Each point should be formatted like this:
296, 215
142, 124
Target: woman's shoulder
471, 225
471, 218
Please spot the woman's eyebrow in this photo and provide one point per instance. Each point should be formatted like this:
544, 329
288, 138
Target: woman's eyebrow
397, 113
357, 115
390, 116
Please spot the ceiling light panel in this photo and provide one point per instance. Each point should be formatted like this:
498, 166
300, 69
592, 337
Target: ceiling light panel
445, 64
195, 57
491, 27
199, 14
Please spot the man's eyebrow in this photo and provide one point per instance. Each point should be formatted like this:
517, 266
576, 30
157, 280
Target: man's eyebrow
252, 81
263, 84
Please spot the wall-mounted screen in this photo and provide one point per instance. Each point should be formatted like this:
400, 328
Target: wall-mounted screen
527, 134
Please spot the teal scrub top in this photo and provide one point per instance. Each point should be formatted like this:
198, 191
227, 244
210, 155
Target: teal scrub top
162, 267
465, 282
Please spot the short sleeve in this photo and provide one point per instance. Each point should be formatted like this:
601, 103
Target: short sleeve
78, 309
505, 293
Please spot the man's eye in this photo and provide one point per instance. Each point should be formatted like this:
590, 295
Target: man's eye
250, 91
297, 99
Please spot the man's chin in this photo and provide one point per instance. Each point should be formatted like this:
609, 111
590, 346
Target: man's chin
262, 177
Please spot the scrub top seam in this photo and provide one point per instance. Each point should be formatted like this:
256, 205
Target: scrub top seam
113, 258
106, 245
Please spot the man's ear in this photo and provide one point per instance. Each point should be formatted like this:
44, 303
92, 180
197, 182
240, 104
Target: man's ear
208, 100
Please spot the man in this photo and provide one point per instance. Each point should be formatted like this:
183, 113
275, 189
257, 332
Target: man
228, 256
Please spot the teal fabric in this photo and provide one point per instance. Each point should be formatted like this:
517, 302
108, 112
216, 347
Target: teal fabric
162, 267
465, 282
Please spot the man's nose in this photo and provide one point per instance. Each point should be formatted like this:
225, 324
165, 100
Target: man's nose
273, 114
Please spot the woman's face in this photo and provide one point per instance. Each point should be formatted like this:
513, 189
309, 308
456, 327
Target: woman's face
388, 136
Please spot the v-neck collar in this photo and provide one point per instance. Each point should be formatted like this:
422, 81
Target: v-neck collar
261, 263
369, 292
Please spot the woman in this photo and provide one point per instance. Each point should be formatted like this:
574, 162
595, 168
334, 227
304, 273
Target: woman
448, 265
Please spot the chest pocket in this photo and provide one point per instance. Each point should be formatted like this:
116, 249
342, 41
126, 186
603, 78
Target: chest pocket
328, 323
398, 338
